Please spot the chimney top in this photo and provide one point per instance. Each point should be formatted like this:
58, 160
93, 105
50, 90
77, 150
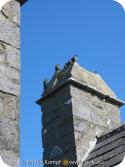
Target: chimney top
73, 73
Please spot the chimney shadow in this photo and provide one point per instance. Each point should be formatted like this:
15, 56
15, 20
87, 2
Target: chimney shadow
58, 130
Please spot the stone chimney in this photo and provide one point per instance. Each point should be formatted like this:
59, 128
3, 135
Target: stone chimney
10, 81
77, 106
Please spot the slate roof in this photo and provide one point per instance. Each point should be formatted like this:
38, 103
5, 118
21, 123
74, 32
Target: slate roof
109, 150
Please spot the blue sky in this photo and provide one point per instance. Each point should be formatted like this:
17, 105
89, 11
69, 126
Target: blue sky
52, 32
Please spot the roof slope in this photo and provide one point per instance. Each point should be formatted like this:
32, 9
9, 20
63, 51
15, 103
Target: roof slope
74, 74
109, 150
91, 79
73, 70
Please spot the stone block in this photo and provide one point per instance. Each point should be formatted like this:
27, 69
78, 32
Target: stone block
9, 107
2, 143
11, 11
9, 32
2, 52
90, 108
9, 80
9, 56
10, 158
9, 134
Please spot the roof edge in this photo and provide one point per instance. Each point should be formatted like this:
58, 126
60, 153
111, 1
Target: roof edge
102, 96
112, 132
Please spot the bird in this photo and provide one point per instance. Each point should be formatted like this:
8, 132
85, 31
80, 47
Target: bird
121, 2
57, 68
45, 83
2, 164
74, 59
2, 3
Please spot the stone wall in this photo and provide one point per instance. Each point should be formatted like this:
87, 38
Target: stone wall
72, 119
9, 82
92, 118
58, 129
78, 107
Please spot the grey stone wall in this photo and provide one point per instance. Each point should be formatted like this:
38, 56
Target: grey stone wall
72, 119
58, 131
10, 82
92, 118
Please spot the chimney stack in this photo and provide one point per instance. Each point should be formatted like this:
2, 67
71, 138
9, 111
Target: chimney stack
77, 107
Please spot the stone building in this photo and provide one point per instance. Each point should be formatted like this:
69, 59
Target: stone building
81, 119
10, 81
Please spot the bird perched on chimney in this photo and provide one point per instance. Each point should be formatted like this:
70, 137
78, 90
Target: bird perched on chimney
57, 68
74, 59
45, 83
70, 62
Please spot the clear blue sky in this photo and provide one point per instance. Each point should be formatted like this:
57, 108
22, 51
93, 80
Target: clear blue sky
52, 31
